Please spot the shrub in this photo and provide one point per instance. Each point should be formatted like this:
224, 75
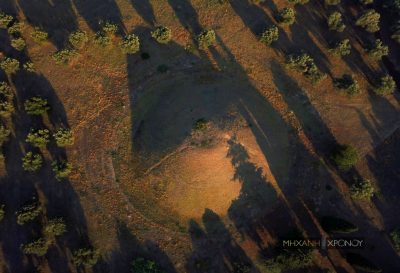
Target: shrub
345, 157
29, 67
102, 39
395, 236
342, 48
9, 65
360, 263
362, 189
38, 247
54, 227
386, 86
6, 91
378, 50
270, 35
6, 109
301, 2
36, 106
62, 169
141, 265
2, 212
5, 20
337, 225
335, 22
28, 213
347, 83
64, 137
78, 39
293, 259
16, 28
206, 38
162, 34
287, 16
18, 43
130, 44
304, 63
64, 56
332, 2
4, 134
85, 257
369, 20
38, 138
110, 28
32, 162
200, 124
39, 35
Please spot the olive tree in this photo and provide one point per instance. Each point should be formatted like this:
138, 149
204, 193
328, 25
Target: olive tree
9, 65
38, 247
85, 257
38, 138
348, 84
335, 22
36, 106
341, 48
206, 39
345, 157
32, 162
62, 169
270, 35
287, 16
369, 20
377, 50
162, 34
386, 86
28, 213
64, 137
130, 44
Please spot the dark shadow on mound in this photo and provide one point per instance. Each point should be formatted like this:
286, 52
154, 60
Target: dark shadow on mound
214, 249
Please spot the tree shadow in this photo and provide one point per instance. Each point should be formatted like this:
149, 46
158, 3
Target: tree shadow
187, 15
58, 199
129, 248
145, 10
55, 17
95, 13
214, 249
253, 16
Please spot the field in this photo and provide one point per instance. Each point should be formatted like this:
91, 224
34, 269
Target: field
200, 160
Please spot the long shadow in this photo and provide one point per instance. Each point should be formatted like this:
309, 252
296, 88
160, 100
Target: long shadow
130, 248
214, 249
257, 195
95, 13
187, 15
253, 16
145, 10
55, 17
58, 199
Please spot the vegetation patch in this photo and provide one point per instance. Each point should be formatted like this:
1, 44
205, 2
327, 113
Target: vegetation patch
36, 106
162, 34
64, 56
206, 39
62, 169
141, 265
9, 65
348, 84
130, 44
345, 157
85, 257
270, 35
386, 86
32, 162
287, 16
362, 189
28, 213
305, 64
